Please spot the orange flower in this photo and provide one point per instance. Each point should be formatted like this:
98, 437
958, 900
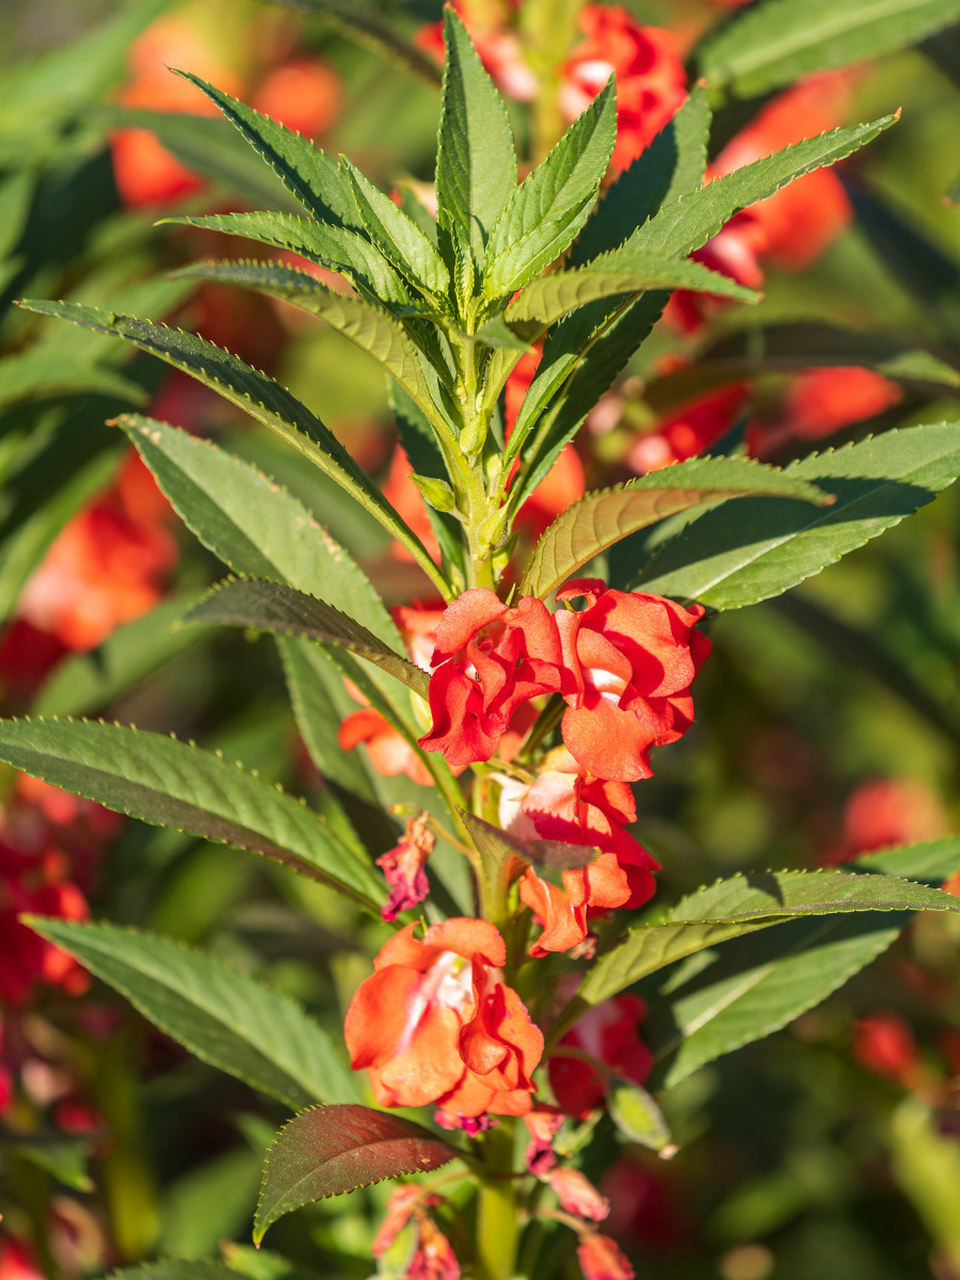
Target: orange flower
601, 1258
578, 1195
389, 752
436, 1023
628, 662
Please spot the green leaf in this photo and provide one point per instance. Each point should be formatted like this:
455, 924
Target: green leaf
693, 219
369, 327
774, 43
549, 298
222, 1016
931, 862
316, 180
85, 682
261, 397
763, 982
549, 858
731, 558
399, 238
168, 783
476, 160
637, 1116
743, 904
210, 1203
329, 1150
546, 212
176, 1269
673, 164
601, 518
65, 1158
320, 703
271, 606
337, 248
253, 524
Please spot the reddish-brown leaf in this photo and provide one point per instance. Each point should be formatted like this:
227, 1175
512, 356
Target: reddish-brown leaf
328, 1150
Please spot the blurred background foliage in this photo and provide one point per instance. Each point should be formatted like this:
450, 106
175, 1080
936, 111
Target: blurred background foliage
828, 720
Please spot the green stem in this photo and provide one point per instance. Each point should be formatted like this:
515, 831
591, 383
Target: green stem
498, 1228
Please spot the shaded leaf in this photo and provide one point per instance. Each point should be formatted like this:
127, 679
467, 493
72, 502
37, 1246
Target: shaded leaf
731, 558
600, 519
168, 783
221, 1015
547, 210
549, 858
65, 1158
774, 43
399, 238
329, 1150
176, 1269
274, 607
476, 160
369, 27
337, 248
261, 397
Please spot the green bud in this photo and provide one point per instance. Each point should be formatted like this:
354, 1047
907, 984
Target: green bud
436, 492
638, 1117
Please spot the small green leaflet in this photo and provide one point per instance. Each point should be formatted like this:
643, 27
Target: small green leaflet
274, 607
734, 557
600, 519
776, 42
314, 178
221, 1015
399, 238
169, 783
548, 209
549, 298
476, 160
693, 219
337, 248
329, 1150
65, 1158
176, 1269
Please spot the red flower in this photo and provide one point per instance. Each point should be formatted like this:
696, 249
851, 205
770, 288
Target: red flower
601, 1258
36, 883
498, 47
435, 1023
819, 402
489, 660
628, 663
432, 1257
885, 1045
651, 81
578, 1195
688, 430
403, 867
303, 94
607, 1033
887, 812
566, 804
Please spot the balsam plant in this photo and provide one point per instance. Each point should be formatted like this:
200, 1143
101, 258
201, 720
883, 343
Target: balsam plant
524, 727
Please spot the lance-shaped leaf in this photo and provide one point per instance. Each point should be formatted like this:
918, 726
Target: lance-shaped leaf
761, 983
329, 1150
222, 1016
171, 784
673, 164
338, 248
776, 42
545, 213
261, 397
65, 1158
315, 179
931, 862
176, 1269
254, 525
399, 238
744, 904
368, 26
370, 328
693, 219
476, 160
274, 607
600, 519
549, 858
616, 275
728, 559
